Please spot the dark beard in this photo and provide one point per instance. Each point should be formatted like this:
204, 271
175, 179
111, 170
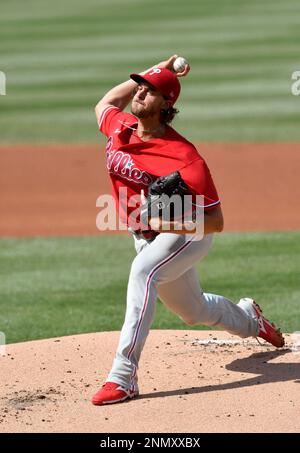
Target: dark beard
142, 113
138, 114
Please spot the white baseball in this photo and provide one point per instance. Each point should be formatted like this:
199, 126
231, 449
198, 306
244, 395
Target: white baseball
179, 64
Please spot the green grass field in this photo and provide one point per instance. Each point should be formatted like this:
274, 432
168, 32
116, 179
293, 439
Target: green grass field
61, 56
60, 286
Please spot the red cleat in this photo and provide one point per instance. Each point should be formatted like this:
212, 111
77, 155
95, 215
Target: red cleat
111, 393
267, 330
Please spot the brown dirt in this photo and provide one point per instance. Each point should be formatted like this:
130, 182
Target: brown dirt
52, 190
46, 386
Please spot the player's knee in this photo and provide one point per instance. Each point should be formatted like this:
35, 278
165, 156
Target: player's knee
139, 269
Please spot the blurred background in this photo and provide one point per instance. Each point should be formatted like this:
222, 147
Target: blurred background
58, 274
61, 56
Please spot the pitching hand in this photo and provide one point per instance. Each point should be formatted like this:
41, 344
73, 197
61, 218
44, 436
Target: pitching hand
168, 64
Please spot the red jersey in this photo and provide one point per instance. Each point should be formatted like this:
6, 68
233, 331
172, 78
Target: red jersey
134, 163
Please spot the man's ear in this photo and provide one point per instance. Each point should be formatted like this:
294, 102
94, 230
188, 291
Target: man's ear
166, 105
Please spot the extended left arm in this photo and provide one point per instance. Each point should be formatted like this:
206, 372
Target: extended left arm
213, 223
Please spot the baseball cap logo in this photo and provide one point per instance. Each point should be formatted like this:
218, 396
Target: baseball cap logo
162, 79
155, 71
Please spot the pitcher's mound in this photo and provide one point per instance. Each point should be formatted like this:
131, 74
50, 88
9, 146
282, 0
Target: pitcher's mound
190, 381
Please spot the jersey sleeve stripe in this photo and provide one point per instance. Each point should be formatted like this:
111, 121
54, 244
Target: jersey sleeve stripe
104, 113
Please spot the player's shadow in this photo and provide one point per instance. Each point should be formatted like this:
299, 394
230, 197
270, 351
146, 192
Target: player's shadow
257, 363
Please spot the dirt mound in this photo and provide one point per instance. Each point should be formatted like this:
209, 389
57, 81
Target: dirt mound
190, 381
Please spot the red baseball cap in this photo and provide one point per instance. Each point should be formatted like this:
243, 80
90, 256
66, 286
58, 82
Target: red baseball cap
163, 80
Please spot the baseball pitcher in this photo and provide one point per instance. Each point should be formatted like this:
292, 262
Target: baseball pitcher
149, 158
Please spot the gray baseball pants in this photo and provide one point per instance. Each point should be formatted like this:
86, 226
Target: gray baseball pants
164, 268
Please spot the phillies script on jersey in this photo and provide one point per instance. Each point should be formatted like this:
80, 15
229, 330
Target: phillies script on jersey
135, 164
121, 163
